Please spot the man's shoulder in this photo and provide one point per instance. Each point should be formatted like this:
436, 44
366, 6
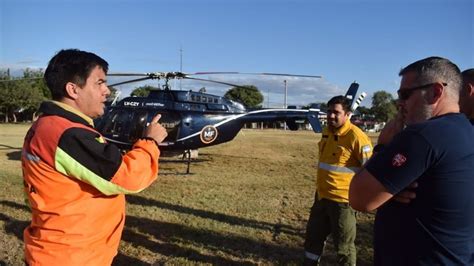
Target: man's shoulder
357, 134
441, 121
445, 125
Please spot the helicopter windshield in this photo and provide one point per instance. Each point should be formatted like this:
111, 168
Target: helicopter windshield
117, 124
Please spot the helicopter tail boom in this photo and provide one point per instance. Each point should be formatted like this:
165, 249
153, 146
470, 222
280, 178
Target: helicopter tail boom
292, 117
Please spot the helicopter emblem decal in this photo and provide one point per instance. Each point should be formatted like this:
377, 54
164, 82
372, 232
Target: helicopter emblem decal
208, 134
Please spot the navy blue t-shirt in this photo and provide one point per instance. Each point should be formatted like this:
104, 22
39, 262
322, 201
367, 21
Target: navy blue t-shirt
437, 228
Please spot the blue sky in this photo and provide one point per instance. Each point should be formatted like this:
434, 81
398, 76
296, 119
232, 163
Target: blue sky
364, 40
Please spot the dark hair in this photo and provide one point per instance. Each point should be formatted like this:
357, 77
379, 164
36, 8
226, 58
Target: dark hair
436, 69
468, 75
346, 105
71, 65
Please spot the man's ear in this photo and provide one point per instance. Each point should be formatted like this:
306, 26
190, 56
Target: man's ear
437, 92
470, 89
71, 90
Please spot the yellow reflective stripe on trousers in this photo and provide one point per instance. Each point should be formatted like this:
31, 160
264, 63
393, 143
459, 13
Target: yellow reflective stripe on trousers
339, 169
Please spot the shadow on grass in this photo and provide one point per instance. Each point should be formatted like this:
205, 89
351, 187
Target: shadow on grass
12, 225
224, 218
122, 259
14, 155
15, 205
7, 147
168, 239
247, 157
166, 234
167, 169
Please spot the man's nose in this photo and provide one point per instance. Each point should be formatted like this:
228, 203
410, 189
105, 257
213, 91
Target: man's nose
107, 91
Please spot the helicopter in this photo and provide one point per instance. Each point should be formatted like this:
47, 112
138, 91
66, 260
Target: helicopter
193, 119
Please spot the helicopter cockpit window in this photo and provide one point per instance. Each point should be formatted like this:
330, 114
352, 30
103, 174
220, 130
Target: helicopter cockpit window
118, 124
139, 121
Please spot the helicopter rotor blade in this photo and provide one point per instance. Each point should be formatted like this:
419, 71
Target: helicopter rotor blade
20, 79
215, 81
127, 74
129, 81
181, 75
249, 73
151, 75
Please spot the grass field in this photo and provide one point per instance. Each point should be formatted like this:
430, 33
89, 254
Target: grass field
245, 203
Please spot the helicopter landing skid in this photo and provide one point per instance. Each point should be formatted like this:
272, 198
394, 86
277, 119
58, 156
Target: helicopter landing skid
188, 155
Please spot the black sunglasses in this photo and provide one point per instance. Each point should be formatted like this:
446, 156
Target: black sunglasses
406, 93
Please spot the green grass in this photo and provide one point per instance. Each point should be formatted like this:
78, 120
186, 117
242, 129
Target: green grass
246, 202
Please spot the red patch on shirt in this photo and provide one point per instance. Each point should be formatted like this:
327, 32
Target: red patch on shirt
398, 160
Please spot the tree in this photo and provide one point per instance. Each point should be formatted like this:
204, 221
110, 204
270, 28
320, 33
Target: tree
143, 91
383, 106
247, 95
37, 81
364, 111
22, 96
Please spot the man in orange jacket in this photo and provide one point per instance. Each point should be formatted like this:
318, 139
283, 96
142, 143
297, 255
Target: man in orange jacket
74, 180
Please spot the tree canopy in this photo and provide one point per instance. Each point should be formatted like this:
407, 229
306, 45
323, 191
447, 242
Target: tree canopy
383, 106
22, 96
247, 95
143, 91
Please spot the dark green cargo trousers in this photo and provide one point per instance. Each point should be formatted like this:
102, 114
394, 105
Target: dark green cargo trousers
330, 217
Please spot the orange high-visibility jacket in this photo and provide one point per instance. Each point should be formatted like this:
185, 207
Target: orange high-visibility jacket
75, 184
